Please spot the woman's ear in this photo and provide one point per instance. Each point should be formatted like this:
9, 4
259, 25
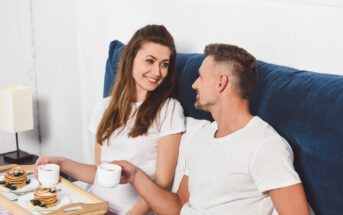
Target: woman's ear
223, 82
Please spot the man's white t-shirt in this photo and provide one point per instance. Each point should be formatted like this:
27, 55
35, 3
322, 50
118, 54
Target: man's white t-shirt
192, 126
232, 174
141, 151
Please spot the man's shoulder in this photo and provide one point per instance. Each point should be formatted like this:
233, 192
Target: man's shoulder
263, 129
268, 137
205, 128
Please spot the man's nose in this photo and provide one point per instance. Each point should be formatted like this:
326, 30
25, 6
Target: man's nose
194, 85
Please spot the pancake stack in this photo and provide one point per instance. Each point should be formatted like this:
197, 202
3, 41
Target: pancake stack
44, 197
15, 178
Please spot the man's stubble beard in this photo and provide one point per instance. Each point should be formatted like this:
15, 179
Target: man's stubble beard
204, 107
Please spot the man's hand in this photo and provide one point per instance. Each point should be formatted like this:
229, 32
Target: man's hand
128, 171
159, 199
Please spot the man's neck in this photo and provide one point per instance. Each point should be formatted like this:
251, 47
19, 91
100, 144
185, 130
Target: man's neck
231, 117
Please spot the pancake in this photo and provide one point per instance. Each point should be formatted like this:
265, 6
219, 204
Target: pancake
15, 178
44, 197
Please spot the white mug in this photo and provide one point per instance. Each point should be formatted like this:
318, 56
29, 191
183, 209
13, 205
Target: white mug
108, 175
48, 174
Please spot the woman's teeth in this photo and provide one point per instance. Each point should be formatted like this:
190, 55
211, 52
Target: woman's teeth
151, 79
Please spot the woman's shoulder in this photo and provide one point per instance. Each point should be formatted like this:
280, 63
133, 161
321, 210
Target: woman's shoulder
172, 103
172, 119
97, 113
171, 106
103, 103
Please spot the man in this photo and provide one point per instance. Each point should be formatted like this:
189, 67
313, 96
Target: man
237, 164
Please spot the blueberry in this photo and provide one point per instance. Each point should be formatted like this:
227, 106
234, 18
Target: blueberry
28, 181
36, 202
42, 205
2, 182
17, 173
13, 187
32, 200
8, 185
52, 190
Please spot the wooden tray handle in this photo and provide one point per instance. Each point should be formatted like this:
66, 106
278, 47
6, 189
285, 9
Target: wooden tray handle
88, 209
9, 166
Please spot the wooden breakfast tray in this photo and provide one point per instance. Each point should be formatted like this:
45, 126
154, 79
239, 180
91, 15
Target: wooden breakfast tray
86, 203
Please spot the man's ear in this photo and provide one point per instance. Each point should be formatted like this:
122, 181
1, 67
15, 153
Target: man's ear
223, 82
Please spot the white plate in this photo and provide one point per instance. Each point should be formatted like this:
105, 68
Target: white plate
29, 187
24, 201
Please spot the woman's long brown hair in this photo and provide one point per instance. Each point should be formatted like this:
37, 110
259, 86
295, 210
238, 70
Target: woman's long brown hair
122, 97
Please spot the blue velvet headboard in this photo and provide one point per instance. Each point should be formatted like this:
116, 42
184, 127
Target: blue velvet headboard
304, 107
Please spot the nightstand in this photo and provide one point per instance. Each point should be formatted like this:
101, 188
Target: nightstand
2, 162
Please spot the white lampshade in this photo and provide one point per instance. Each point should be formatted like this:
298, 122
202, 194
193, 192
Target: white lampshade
16, 109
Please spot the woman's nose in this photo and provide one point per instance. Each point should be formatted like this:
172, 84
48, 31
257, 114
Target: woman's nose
157, 70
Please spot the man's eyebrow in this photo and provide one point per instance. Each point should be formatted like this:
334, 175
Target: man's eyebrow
156, 58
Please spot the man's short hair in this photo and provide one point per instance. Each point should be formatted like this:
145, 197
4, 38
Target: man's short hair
244, 65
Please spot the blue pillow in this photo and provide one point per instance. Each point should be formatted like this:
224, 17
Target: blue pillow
112, 66
306, 108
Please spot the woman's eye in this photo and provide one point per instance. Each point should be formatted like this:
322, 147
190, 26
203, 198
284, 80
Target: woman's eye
165, 65
149, 61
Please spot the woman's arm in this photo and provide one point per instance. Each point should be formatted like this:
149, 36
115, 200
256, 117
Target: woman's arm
97, 156
167, 153
79, 171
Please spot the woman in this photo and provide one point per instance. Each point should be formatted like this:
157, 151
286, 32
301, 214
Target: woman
140, 121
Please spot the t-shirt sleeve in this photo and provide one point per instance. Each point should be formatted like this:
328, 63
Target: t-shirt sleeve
272, 165
98, 112
172, 119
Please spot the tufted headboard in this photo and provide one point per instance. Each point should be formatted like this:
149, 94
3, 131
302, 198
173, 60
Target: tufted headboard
305, 107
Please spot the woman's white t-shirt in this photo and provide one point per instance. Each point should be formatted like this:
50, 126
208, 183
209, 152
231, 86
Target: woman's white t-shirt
141, 151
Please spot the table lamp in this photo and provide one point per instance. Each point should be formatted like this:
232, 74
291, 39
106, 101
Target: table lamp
16, 115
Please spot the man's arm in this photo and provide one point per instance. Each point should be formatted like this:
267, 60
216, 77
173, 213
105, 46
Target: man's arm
167, 153
290, 200
160, 200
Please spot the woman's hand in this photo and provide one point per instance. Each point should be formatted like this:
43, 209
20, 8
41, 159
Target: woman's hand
45, 160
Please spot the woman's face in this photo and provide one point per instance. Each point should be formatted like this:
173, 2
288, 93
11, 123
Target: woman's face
150, 67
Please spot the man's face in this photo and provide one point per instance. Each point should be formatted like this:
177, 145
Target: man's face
205, 85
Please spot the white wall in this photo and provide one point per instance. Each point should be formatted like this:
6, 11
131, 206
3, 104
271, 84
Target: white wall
71, 45
17, 66
56, 35
304, 35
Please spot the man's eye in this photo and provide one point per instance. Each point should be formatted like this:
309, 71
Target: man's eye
149, 61
165, 65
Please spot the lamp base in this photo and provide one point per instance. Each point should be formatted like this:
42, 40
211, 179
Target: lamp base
18, 157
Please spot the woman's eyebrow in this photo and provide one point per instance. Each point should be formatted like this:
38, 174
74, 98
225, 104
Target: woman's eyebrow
152, 57
156, 58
